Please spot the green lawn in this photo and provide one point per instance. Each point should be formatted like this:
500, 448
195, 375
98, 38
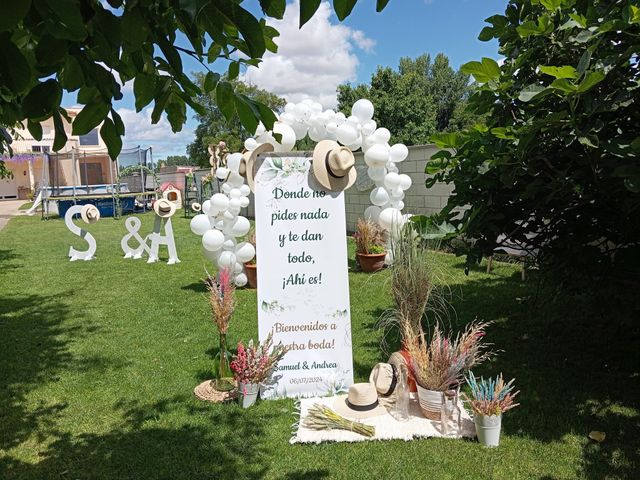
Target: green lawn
98, 361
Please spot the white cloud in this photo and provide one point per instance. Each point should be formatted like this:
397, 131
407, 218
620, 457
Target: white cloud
311, 62
140, 131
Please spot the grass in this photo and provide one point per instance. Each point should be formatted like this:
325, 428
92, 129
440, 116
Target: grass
98, 361
26, 206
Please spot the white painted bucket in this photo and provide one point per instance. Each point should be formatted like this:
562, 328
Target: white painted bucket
488, 429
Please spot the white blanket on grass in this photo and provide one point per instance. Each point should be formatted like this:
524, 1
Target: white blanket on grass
387, 427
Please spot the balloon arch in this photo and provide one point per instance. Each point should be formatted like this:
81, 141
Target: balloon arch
221, 224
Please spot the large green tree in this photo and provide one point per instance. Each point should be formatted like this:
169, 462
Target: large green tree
92, 47
214, 127
558, 157
419, 99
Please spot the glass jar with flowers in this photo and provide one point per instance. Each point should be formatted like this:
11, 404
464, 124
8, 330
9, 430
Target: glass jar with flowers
222, 303
252, 365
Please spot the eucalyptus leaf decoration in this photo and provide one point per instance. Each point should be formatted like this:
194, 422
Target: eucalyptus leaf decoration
556, 165
95, 47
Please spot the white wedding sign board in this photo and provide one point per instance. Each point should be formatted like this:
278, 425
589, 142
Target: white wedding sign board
303, 287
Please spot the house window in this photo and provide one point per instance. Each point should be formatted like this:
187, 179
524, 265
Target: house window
36, 148
90, 138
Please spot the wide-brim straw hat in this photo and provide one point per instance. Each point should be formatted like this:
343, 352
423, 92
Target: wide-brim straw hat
164, 208
360, 402
334, 166
90, 214
385, 378
250, 158
196, 207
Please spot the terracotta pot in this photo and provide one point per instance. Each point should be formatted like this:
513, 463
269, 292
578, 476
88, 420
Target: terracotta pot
371, 262
250, 269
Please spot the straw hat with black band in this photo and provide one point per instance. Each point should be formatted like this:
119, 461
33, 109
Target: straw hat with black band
361, 402
164, 208
385, 378
334, 166
90, 214
250, 158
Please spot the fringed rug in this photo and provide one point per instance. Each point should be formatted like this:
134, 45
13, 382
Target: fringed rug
387, 427
206, 392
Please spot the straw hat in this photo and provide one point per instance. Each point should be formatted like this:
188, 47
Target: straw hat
164, 208
90, 214
385, 378
361, 402
196, 207
250, 158
334, 165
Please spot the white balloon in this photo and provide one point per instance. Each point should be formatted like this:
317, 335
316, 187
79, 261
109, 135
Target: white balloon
398, 152
353, 120
331, 127
346, 134
250, 143
240, 280
212, 240
397, 194
245, 252
229, 244
382, 135
317, 133
233, 162
390, 218
372, 213
300, 130
376, 173
363, 109
206, 206
391, 181
244, 202
260, 130
235, 180
369, 127
288, 139
399, 204
405, 181
240, 227
226, 259
219, 224
235, 193
392, 167
376, 156
245, 190
340, 118
229, 216
222, 172
200, 224
226, 188
379, 196
235, 205
238, 267
219, 202
287, 118
290, 108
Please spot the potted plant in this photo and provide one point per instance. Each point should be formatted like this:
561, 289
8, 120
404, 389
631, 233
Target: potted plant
440, 365
370, 251
491, 398
251, 267
252, 365
222, 303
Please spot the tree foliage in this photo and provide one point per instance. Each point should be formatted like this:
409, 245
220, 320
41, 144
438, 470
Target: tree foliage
214, 127
558, 156
93, 47
176, 160
419, 99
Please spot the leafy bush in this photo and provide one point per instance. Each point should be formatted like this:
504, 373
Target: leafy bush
556, 165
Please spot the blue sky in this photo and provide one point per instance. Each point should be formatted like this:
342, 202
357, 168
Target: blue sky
311, 62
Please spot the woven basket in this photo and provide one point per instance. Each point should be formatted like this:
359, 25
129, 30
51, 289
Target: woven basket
430, 403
